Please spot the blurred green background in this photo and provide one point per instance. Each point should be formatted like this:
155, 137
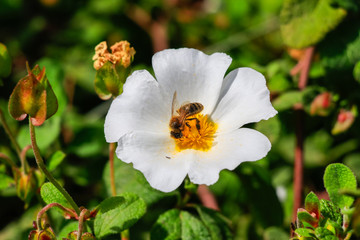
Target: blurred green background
257, 197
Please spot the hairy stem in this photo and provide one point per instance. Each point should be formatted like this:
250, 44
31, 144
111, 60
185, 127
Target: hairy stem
112, 171
82, 216
303, 68
46, 208
9, 133
43, 168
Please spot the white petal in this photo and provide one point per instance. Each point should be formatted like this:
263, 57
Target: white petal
142, 106
195, 76
154, 155
230, 150
244, 99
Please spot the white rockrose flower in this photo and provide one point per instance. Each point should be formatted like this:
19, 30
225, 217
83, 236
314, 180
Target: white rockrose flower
209, 111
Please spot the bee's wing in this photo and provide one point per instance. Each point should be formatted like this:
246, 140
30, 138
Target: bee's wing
174, 102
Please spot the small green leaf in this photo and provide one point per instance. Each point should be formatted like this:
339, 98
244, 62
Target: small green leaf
321, 232
5, 181
303, 24
5, 61
304, 232
115, 214
287, 100
337, 176
330, 211
192, 228
215, 223
306, 217
55, 160
312, 204
167, 226
356, 71
50, 194
71, 226
129, 179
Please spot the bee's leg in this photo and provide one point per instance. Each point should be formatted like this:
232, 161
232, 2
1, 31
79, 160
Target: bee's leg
187, 124
197, 123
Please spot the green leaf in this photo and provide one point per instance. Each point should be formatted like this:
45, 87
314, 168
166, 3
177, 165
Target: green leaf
305, 22
339, 51
215, 223
50, 194
312, 204
192, 228
167, 226
330, 211
304, 232
55, 160
5, 61
71, 226
270, 128
275, 233
321, 232
129, 179
5, 181
46, 134
337, 176
306, 217
356, 71
115, 214
287, 100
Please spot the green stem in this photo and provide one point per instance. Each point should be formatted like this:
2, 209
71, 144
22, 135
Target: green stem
112, 171
43, 168
10, 135
24, 163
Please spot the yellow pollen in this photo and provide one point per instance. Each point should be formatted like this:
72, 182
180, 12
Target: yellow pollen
193, 138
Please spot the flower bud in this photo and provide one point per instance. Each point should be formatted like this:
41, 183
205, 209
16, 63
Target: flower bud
85, 236
344, 121
112, 68
46, 234
33, 95
322, 105
26, 185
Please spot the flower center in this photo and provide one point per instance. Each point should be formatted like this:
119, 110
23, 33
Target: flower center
199, 133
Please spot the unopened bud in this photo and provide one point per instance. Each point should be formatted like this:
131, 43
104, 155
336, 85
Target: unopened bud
85, 236
322, 104
26, 185
344, 121
112, 68
46, 234
33, 96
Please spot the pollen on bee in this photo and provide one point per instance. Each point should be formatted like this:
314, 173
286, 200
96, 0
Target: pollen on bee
199, 133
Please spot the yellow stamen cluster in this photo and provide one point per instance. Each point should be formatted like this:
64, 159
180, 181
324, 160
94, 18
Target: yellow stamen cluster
121, 52
193, 138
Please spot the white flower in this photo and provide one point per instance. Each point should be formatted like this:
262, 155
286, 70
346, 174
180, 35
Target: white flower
139, 118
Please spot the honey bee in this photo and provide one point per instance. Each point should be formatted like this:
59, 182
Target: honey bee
177, 123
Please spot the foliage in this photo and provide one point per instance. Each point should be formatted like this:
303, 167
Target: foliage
255, 200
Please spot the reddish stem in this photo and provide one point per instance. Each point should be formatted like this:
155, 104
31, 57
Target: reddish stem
207, 197
303, 68
112, 171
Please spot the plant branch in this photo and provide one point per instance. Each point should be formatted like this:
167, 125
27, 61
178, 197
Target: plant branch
24, 163
47, 207
207, 197
112, 170
7, 160
82, 216
301, 68
43, 168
